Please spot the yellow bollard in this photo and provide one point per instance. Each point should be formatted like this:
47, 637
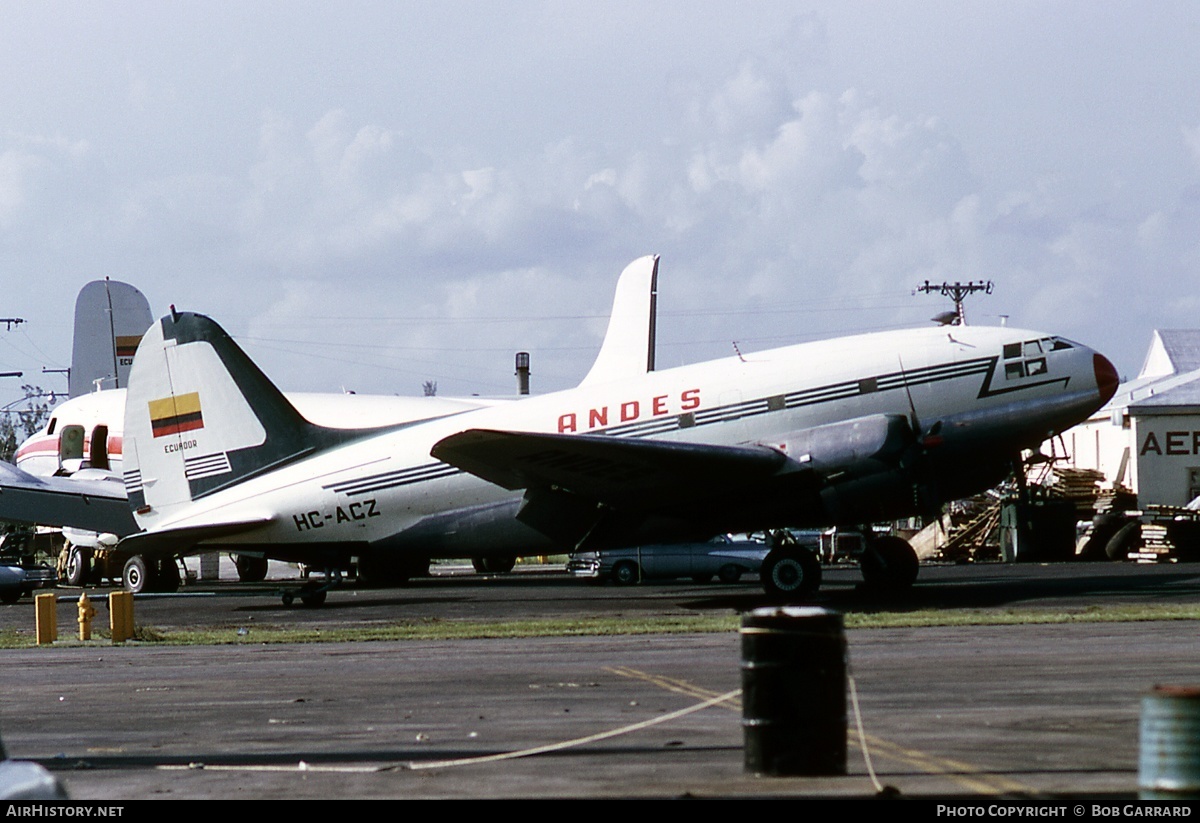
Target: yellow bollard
86, 613
120, 616
46, 606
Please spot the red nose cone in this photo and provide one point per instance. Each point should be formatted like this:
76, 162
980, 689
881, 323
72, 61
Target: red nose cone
1106, 377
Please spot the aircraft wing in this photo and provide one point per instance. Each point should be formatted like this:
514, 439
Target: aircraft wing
637, 474
92, 504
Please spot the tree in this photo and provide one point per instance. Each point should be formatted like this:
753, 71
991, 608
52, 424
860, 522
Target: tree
19, 423
429, 387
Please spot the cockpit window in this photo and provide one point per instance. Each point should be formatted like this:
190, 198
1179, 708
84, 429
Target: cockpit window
1028, 359
52, 425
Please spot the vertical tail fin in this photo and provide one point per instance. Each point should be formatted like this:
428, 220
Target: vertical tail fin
628, 347
200, 416
110, 319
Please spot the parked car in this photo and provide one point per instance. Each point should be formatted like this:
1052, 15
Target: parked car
723, 557
17, 580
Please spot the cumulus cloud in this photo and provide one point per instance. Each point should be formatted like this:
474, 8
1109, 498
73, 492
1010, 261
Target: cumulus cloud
786, 170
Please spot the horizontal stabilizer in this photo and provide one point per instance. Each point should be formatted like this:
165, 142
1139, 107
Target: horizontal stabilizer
617, 471
182, 539
93, 504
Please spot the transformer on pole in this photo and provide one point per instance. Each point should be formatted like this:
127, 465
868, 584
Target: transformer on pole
957, 292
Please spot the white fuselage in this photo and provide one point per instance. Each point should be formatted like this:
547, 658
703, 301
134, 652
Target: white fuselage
980, 390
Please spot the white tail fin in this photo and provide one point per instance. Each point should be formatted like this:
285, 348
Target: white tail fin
628, 348
200, 416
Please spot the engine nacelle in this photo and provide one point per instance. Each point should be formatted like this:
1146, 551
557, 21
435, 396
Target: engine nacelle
852, 448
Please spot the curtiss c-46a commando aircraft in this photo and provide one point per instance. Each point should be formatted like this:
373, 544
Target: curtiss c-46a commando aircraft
846, 431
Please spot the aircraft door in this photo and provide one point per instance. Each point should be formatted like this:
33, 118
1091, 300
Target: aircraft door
70, 448
98, 449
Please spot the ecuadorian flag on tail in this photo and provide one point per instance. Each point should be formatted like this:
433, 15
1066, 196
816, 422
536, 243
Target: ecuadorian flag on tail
176, 414
127, 345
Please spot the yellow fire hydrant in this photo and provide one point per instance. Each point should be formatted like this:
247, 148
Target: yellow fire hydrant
86, 613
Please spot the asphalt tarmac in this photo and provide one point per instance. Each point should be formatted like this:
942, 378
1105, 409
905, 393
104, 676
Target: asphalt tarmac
1042, 711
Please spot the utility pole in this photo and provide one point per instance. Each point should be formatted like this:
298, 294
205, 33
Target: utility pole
957, 292
9, 322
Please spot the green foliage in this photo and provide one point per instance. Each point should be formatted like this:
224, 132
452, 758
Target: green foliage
19, 423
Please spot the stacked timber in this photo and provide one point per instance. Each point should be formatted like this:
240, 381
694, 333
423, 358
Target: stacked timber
1116, 499
1156, 546
1080, 486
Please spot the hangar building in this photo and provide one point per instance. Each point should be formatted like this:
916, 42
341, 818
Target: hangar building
1147, 438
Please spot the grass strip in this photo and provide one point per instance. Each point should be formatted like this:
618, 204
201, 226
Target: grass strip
435, 629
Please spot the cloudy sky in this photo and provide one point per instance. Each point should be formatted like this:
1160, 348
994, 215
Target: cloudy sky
370, 195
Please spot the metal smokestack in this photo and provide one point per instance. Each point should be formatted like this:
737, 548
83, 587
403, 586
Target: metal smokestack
522, 372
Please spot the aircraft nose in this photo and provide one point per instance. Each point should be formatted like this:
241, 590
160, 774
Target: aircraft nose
1106, 377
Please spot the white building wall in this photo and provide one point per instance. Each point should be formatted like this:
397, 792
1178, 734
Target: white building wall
1168, 458
1103, 444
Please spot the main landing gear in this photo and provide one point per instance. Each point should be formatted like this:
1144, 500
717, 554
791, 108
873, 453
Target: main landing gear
889, 564
792, 573
789, 571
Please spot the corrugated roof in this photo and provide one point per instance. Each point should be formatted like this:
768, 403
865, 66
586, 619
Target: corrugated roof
1172, 351
1182, 390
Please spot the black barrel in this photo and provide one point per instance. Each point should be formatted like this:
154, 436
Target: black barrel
794, 691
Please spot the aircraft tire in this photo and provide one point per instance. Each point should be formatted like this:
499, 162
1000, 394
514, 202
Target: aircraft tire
166, 576
729, 574
626, 573
79, 566
250, 569
890, 563
382, 570
136, 574
313, 599
1124, 541
790, 573
496, 564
